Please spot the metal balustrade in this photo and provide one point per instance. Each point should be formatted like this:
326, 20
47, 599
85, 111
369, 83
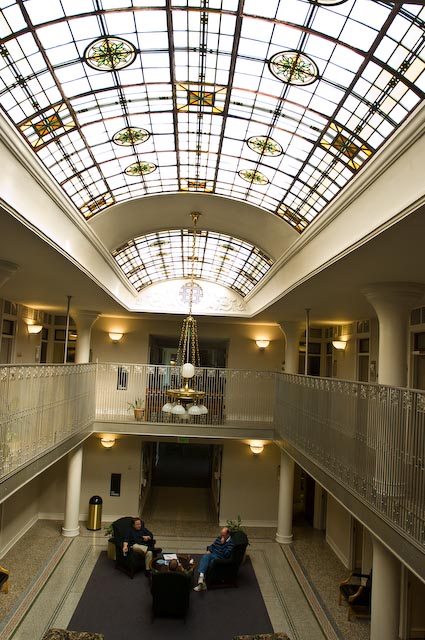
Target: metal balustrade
232, 396
40, 407
369, 437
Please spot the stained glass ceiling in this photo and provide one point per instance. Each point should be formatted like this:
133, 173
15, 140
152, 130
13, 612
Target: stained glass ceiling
278, 104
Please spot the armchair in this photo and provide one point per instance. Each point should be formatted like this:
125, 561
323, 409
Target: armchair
356, 594
170, 593
131, 562
224, 572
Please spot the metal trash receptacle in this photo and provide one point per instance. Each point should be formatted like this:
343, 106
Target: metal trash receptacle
94, 521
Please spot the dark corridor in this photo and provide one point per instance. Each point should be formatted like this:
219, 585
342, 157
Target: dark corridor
182, 465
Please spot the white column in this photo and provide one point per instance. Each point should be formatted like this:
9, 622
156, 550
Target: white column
84, 321
286, 499
292, 331
71, 527
7, 270
392, 302
385, 609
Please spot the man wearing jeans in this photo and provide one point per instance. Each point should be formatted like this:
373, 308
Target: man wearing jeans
220, 548
141, 541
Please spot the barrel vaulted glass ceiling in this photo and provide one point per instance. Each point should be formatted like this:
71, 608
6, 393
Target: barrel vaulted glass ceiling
278, 104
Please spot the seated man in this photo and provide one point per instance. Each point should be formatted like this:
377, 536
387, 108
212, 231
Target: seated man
220, 548
140, 540
174, 565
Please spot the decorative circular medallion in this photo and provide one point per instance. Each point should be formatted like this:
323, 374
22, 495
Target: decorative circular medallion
293, 67
264, 146
327, 3
185, 292
109, 54
140, 168
255, 177
130, 136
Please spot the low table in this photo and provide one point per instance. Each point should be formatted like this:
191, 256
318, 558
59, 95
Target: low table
183, 559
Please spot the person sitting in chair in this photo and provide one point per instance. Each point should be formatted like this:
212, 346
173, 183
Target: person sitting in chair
140, 540
174, 565
220, 548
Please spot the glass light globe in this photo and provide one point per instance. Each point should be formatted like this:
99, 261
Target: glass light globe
168, 407
188, 370
203, 409
195, 410
179, 410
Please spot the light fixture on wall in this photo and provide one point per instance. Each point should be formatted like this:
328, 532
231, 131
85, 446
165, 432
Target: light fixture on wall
262, 343
256, 447
107, 441
339, 344
34, 328
115, 336
186, 400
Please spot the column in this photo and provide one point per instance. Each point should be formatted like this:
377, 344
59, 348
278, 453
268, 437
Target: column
392, 302
7, 270
292, 331
286, 499
71, 527
385, 617
84, 321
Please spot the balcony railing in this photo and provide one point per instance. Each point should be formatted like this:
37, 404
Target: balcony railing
369, 437
232, 396
40, 407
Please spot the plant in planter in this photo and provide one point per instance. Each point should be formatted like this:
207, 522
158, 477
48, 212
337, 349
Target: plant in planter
138, 407
234, 525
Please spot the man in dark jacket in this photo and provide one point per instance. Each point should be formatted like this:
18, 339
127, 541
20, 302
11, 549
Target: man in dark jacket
220, 548
140, 540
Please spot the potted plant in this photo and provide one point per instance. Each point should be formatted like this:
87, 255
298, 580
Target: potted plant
238, 534
138, 407
108, 531
234, 525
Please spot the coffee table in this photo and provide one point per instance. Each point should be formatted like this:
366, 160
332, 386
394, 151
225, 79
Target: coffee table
183, 559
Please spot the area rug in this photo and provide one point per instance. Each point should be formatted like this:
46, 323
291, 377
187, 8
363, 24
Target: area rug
120, 608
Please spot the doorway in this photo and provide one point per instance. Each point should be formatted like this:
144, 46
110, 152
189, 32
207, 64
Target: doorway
182, 465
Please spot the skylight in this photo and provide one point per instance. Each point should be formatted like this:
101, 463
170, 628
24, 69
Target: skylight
279, 104
222, 259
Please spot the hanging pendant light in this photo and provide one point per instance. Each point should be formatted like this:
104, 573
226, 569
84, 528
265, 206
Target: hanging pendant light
187, 356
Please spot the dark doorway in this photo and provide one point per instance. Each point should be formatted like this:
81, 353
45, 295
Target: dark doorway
182, 465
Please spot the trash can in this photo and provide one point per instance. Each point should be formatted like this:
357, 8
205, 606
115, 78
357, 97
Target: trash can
94, 521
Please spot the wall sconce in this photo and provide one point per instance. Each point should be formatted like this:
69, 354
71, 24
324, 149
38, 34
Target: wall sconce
107, 441
262, 344
115, 337
256, 447
339, 344
34, 328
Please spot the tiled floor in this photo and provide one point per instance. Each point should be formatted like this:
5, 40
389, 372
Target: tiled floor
44, 594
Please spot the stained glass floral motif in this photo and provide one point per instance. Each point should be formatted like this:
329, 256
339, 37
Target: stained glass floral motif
293, 67
140, 168
109, 54
191, 97
265, 146
192, 184
90, 208
253, 176
295, 219
130, 136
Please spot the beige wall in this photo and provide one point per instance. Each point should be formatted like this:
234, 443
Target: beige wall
18, 514
338, 530
134, 346
249, 484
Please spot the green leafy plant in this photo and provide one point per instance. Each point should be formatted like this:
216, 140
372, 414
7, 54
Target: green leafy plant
137, 404
108, 531
234, 525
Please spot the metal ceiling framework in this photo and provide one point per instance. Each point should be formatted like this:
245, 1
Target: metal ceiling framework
277, 104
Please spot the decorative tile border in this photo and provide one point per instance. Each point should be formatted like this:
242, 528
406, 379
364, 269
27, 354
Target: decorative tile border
12, 621
323, 615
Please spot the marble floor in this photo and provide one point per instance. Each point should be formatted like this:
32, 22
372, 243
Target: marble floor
298, 582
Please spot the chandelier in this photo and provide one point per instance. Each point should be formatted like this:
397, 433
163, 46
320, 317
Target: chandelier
186, 400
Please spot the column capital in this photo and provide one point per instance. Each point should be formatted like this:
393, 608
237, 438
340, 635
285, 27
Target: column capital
403, 295
7, 270
84, 318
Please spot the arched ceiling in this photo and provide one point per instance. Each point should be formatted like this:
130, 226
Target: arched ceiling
265, 111
277, 104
